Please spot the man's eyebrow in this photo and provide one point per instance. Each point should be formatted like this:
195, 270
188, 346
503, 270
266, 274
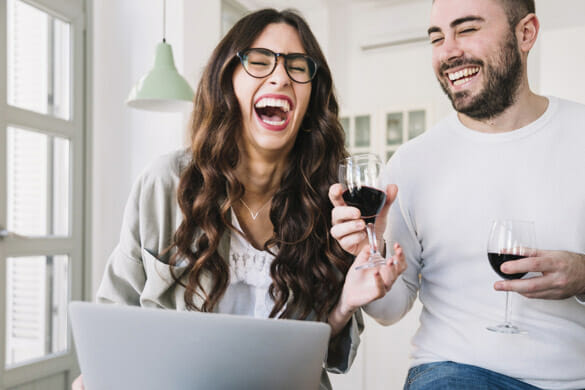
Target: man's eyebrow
456, 22
465, 19
433, 30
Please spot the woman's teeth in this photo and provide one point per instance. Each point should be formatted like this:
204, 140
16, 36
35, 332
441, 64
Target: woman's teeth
283, 104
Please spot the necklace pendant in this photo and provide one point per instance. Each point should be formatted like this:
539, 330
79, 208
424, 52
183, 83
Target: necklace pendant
252, 214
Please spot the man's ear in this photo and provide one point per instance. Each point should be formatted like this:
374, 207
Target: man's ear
527, 32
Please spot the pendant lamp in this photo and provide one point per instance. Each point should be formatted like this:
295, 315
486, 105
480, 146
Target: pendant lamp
162, 88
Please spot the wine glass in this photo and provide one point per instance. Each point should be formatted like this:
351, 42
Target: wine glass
509, 240
361, 176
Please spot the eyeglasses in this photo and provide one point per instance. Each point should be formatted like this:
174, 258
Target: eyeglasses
259, 63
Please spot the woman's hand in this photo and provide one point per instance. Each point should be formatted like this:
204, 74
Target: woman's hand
347, 226
78, 383
365, 285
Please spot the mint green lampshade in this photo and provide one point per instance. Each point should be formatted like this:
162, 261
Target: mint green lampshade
163, 88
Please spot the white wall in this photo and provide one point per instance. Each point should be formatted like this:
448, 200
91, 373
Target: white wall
126, 140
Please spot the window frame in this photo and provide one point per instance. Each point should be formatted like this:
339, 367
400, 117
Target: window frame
60, 367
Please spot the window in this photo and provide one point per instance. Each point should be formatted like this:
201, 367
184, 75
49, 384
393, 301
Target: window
358, 132
42, 137
396, 127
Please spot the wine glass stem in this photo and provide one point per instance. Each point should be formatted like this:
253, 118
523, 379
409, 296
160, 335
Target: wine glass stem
372, 239
508, 313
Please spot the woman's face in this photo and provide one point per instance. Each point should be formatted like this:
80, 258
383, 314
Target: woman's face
272, 107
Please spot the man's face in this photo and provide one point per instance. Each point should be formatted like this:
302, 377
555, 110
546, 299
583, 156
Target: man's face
475, 56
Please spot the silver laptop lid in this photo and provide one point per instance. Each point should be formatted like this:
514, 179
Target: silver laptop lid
128, 347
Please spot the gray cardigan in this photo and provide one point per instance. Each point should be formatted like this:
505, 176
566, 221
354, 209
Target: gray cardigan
136, 273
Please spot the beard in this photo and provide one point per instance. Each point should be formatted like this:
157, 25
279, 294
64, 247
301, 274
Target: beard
503, 78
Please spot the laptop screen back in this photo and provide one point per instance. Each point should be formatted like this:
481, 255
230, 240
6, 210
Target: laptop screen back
127, 347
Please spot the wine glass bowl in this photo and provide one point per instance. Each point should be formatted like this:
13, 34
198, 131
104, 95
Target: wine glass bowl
361, 178
509, 240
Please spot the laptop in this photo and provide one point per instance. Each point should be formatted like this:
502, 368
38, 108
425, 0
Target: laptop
129, 347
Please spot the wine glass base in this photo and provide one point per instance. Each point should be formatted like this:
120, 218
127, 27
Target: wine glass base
506, 328
372, 263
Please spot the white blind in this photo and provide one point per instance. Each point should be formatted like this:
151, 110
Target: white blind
28, 58
26, 316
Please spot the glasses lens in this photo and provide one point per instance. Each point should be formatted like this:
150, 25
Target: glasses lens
258, 62
301, 68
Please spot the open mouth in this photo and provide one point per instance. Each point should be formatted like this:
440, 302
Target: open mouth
273, 111
462, 76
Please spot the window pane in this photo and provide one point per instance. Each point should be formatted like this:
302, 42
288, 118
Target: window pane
345, 124
416, 123
362, 130
36, 307
394, 128
38, 183
39, 61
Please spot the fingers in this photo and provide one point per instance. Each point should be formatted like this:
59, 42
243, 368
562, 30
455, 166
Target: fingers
347, 226
78, 383
541, 287
336, 195
341, 214
528, 264
391, 193
393, 268
352, 226
362, 257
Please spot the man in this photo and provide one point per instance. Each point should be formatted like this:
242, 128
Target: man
506, 153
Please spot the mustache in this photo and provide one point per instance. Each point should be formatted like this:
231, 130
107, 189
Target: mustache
445, 66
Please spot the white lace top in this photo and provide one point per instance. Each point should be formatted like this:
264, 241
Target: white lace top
247, 293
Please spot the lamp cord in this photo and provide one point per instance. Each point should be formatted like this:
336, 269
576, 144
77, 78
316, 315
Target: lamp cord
164, 20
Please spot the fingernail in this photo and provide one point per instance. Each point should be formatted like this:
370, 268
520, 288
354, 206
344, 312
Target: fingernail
499, 286
359, 224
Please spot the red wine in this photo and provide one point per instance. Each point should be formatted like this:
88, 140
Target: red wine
369, 200
496, 260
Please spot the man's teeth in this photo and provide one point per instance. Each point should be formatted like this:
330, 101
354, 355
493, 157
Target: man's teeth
272, 102
463, 75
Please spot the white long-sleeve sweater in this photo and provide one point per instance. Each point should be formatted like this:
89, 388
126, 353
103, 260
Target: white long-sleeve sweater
452, 183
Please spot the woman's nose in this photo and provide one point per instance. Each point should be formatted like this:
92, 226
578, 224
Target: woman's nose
280, 76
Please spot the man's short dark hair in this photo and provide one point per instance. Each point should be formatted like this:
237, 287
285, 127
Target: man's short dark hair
517, 9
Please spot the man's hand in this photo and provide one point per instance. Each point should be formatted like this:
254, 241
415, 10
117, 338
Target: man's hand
347, 226
563, 275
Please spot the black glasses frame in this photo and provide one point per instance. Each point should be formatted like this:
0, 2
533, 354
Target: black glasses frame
242, 55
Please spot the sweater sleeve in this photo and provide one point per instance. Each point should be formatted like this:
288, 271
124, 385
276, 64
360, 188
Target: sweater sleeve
343, 347
137, 271
401, 229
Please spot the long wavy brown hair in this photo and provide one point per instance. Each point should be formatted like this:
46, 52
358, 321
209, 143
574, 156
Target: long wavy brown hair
309, 267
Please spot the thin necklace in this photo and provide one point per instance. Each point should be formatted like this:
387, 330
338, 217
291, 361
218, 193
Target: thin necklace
252, 214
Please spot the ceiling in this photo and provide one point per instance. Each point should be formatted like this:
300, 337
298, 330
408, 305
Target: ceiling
304, 4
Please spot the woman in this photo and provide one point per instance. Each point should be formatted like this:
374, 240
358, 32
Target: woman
239, 223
